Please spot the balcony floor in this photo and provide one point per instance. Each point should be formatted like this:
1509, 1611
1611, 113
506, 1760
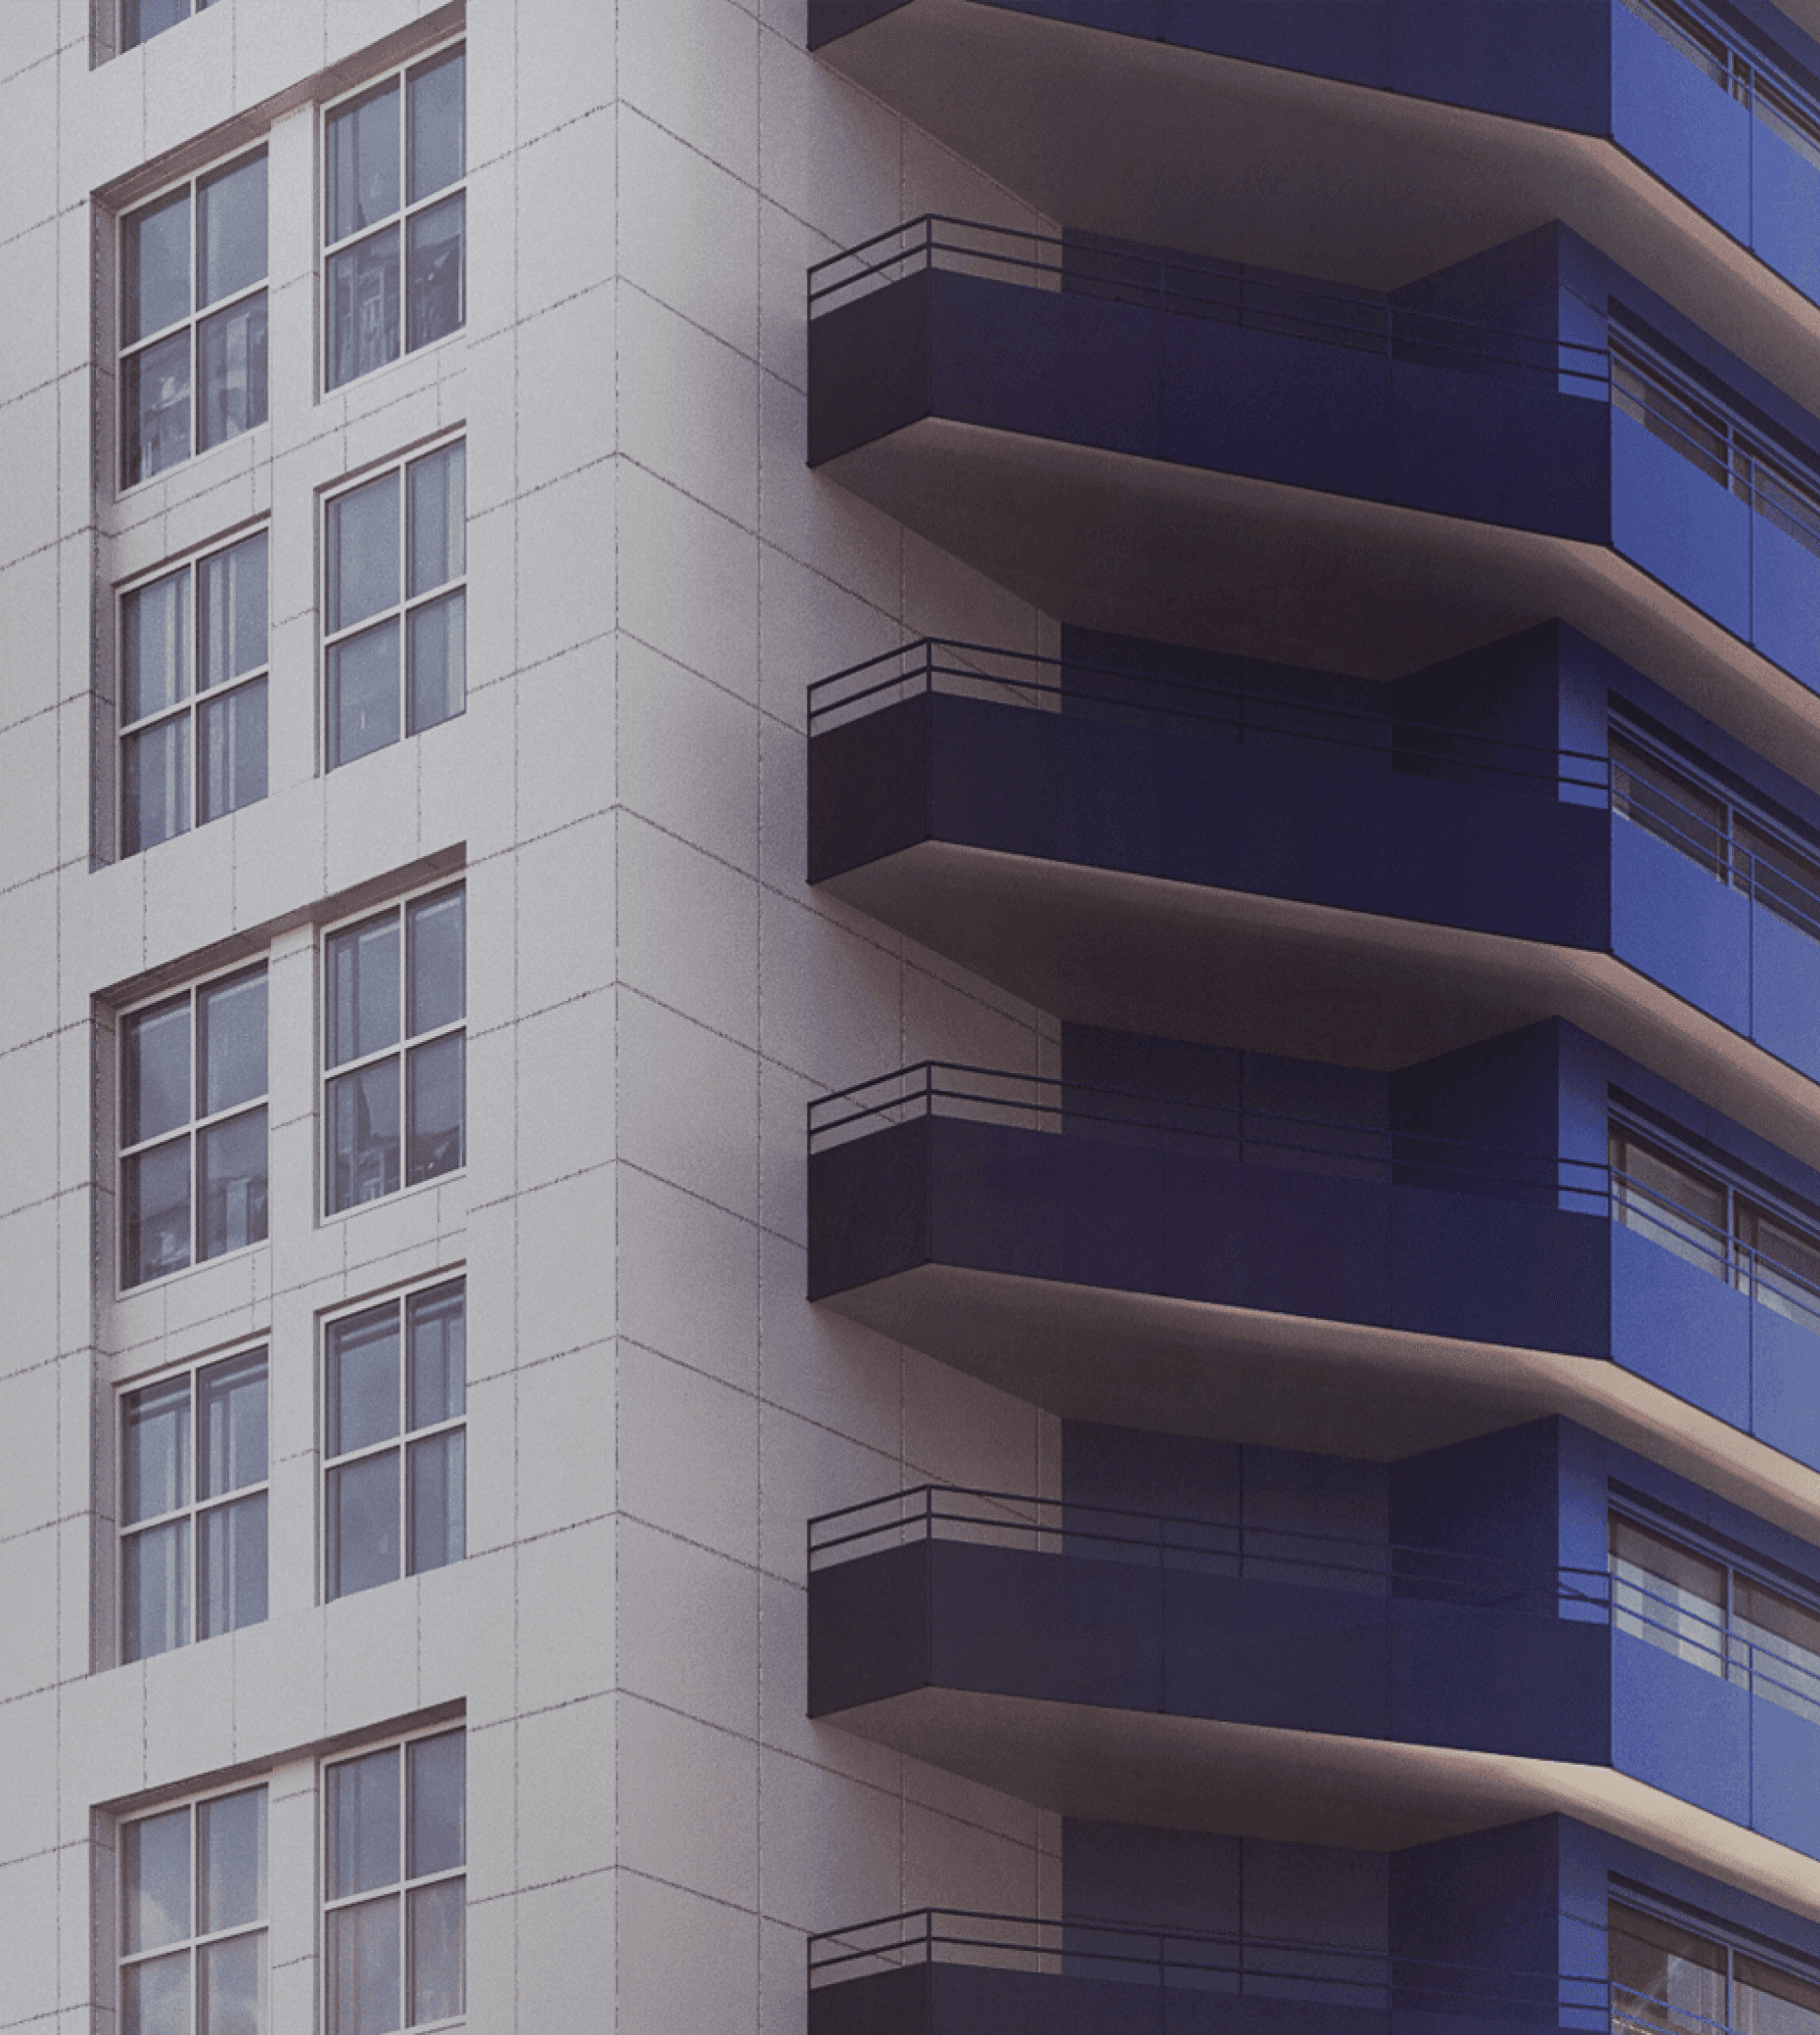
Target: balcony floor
1149, 1361
1125, 1766
1141, 547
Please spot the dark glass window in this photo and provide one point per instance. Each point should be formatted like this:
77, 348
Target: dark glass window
395, 218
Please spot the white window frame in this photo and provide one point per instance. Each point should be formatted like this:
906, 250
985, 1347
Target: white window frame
400, 1442
407, 605
400, 1050
195, 1507
191, 321
191, 1129
400, 1888
189, 707
397, 77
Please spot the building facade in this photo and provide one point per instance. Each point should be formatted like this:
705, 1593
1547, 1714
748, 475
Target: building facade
914, 908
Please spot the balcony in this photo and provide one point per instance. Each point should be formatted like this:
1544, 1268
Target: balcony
1154, 1262
1163, 446
1166, 856
1205, 1674
948, 1972
1378, 139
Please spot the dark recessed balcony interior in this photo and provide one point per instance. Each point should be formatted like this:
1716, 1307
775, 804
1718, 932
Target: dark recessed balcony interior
1534, 1612
1377, 140
1141, 441
1140, 835
1198, 1239
1548, 1923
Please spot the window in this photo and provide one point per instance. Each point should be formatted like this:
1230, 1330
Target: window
193, 1911
193, 1164
394, 1847
395, 609
395, 1397
193, 319
1781, 485
393, 157
193, 1493
193, 657
396, 998
141, 19
1673, 1980
1729, 840
1705, 1609
1772, 1255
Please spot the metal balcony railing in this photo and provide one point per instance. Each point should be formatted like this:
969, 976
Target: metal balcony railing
1707, 426
1051, 684
1405, 1159
1786, 105
1772, 1665
1257, 1967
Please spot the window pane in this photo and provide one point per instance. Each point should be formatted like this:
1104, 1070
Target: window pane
362, 144
229, 1862
437, 1785
230, 1587
437, 1950
231, 1026
230, 1980
438, 137
363, 1968
437, 283
155, 793
156, 1869
363, 552
155, 1191
363, 1526
438, 962
154, 408
1663, 1976
363, 695
1669, 1202
233, 604
437, 1387
232, 767
157, 1071
155, 1592
1667, 1594
231, 1184
437, 490
155, 1464
438, 1501
232, 1443
438, 661
363, 1136
155, 268
231, 363
363, 307
1769, 2001
363, 1381
141, 19
363, 1823
155, 1998
155, 646
1671, 805
435, 1076
363, 989
230, 232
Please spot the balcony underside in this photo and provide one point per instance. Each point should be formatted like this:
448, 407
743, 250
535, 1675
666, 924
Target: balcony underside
1139, 953
1142, 547
1122, 1766
1365, 187
1138, 1360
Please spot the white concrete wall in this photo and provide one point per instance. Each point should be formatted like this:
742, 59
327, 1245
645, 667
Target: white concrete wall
654, 995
